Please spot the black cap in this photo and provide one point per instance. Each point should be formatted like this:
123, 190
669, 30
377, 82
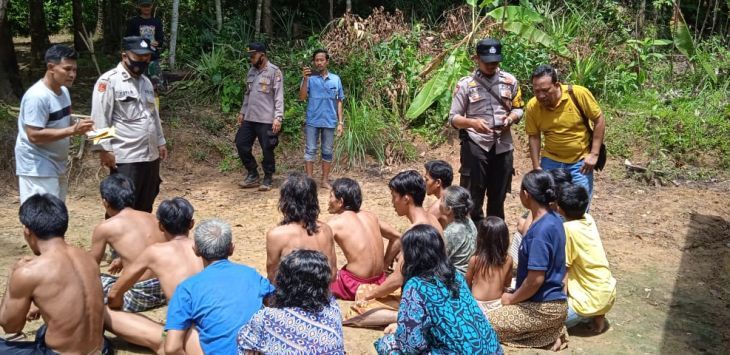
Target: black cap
254, 47
144, 2
489, 50
137, 45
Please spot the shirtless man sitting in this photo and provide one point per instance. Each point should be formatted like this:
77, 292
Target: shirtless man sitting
358, 233
439, 176
299, 229
129, 232
62, 283
172, 261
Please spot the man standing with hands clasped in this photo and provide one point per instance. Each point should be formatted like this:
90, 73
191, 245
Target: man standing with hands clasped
324, 94
260, 118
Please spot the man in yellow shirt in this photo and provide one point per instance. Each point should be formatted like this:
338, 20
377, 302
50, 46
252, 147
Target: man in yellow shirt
553, 114
590, 286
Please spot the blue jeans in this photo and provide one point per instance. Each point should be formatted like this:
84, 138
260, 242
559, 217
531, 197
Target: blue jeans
578, 178
312, 134
574, 318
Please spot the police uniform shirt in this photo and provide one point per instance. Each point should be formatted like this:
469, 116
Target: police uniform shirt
127, 104
263, 100
472, 100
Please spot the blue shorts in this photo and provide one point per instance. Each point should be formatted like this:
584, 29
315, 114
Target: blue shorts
312, 135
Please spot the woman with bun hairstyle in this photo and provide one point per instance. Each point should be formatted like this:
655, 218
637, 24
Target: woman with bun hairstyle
533, 315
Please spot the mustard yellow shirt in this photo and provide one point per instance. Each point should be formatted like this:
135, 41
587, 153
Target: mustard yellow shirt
591, 287
565, 137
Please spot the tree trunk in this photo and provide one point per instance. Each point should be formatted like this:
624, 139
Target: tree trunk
332, 6
38, 33
640, 20
218, 15
268, 29
78, 20
11, 88
173, 31
348, 6
99, 30
257, 30
113, 26
3, 6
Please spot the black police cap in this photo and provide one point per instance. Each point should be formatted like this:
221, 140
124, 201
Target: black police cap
489, 50
137, 45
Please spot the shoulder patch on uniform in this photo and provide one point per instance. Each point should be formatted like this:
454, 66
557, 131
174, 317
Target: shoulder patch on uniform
101, 87
277, 75
472, 83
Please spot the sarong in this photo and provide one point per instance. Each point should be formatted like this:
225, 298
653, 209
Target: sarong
345, 287
142, 296
530, 324
487, 306
360, 309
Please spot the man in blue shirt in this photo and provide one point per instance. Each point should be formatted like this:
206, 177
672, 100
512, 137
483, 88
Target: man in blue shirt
324, 94
219, 300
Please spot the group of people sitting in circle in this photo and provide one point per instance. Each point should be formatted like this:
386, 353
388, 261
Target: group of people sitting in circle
448, 284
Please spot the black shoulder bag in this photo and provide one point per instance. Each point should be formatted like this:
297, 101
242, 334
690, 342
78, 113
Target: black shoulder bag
601, 163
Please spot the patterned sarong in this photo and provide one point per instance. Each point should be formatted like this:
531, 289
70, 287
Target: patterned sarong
142, 296
530, 324
488, 306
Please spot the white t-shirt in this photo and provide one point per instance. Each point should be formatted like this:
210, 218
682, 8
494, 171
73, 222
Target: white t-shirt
42, 108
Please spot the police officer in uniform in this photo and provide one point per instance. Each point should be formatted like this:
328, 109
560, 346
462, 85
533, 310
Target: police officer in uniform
124, 98
485, 106
260, 118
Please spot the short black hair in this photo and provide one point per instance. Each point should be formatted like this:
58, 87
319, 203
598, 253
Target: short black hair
409, 182
545, 70
45, 216
175, 215
539, 184
573, 200
59, 52
118, 191
349, 191
298, 202
302, 281
440, 170
321, 50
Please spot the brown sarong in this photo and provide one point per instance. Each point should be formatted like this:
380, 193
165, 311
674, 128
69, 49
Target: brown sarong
530, 324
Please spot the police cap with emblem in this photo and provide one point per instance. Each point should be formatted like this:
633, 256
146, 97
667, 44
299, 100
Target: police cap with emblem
137, 45
254, 47
489, 50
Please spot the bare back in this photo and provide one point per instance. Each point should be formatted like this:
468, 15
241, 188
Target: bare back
489, 284
435, 211
282, 240
358, 234
173, 262
423, 217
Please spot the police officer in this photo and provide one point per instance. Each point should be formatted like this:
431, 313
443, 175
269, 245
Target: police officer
125, 99
260, 118
485, 105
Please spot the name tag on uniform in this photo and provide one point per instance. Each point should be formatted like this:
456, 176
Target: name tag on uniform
474, 95
506, 93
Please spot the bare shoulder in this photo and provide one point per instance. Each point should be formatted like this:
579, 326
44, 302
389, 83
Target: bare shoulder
278, 232
324, 228
336, 220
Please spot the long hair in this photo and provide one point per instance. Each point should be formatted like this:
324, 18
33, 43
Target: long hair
540, 185
492, 244
424, 255
298, 202
303, 281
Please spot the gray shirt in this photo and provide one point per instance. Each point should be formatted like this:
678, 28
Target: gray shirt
127, 104
461, 242
263, 100
42, 108
472, 100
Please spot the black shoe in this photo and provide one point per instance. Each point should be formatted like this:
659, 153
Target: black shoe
251, 180
268, 182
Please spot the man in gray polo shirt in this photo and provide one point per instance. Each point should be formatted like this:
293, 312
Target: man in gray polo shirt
260, 117
44, 128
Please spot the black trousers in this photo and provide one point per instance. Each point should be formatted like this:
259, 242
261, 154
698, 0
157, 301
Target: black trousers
486, 173
245, 137
146, 179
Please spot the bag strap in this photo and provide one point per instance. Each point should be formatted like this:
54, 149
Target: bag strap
489, 90
580, 110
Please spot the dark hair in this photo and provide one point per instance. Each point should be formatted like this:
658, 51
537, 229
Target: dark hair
539, 184
175, 215
561, 176
545, 70
459, 201
409, 182
321, 50
349, 191
298, 202
573, 200
424, 256
118, 191
45, 216
59, 52
492, 244
440, 170
303, 281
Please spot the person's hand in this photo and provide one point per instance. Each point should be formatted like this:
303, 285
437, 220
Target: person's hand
82, 126
114, 301
480, 126
306, 72
33, 313
390, 329
508, 121
340, 129
239, 119
163, 152
115, 266
588, 163
276, 126
108, 159
155, 44
506, 299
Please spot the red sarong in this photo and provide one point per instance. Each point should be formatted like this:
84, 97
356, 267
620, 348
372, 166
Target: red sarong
347, 283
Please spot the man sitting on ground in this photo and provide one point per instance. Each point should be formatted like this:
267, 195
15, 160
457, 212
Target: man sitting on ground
62, 283
300, 228
129, 232
172, 261
439, 176
357, 232
217, 301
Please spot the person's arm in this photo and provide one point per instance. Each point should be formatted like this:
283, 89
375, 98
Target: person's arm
470, 271
517, 111
132, 27
508, 272
304, 86
532, 283
129, 276
391, 283
244, 104
273, 255
457, 114
278, 101
102, 107
175, 342
535, 142
160, 35
98, 243
37, 135
340, 118
598, 131
18, 298
161, 141
393, 238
